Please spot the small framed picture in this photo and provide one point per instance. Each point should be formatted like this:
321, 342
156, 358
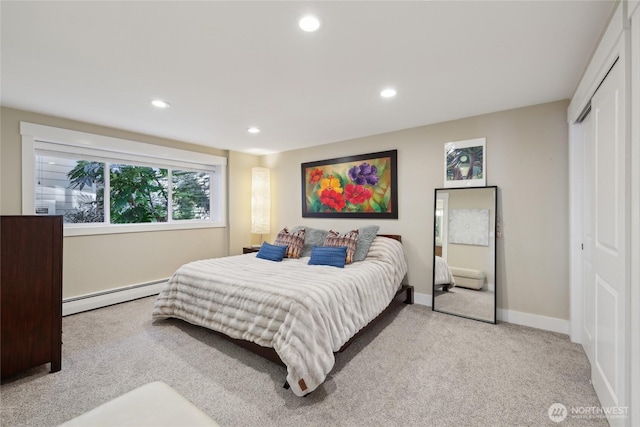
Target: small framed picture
465, 163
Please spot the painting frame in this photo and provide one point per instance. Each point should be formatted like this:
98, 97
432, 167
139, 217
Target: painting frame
465, 163
366, 186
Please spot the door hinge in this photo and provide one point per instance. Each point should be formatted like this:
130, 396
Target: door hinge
582, 246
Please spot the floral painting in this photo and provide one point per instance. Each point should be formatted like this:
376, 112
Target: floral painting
351, 187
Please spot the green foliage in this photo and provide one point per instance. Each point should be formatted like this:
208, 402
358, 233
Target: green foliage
90, 210
139, 194
86, 174
190, 195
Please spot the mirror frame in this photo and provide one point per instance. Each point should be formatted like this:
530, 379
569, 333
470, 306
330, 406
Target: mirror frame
492, 237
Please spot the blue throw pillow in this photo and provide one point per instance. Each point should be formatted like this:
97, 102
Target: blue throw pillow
326, 255
271, 252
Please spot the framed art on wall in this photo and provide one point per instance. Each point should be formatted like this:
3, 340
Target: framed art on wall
469, 227
465, 163
363, 186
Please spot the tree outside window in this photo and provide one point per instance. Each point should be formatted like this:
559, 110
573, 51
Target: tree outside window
138, 194
190, 195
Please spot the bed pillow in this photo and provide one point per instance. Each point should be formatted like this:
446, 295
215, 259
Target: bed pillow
333, 256
350, 240
271, 252
293, 241
365, 237
313, 237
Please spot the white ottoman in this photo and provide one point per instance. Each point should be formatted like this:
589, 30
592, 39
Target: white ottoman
154, 404
468, 277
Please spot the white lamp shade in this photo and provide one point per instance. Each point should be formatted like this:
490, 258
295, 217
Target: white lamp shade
260, 200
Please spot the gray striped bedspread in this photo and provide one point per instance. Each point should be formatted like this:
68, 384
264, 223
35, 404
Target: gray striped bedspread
304, 312
443, 274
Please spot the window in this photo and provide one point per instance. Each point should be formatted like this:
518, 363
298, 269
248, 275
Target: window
190, 195
62, 189
100, 190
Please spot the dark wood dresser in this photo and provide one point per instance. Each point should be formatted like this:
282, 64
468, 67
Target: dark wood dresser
30, 292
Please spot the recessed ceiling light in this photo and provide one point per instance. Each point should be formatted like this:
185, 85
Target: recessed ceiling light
309, 23
259, 151
160, 103
388, 93
253, 129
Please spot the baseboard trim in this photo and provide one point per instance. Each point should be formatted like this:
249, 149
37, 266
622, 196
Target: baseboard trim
113, 296
516, 317
422, 299
535, 321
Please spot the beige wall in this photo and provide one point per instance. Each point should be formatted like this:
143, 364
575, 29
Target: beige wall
526, 157
240, 165
98, 263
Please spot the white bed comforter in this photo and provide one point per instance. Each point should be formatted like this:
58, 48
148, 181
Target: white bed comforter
304, 312
443, 274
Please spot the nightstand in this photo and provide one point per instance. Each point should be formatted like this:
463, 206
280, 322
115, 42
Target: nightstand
250, 249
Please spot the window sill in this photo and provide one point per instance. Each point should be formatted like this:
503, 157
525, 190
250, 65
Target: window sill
71, 230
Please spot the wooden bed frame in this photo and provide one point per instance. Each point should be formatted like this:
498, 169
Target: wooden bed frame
403, 296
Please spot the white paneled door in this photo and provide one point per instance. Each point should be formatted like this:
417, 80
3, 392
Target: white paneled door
589, 288
605, 205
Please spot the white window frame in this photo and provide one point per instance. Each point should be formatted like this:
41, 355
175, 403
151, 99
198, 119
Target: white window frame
57, 140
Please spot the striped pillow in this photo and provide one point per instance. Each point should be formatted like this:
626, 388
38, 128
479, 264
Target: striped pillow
293, 241
350, 240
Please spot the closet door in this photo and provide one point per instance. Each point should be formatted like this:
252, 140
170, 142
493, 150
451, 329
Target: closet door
608, 244
588, 190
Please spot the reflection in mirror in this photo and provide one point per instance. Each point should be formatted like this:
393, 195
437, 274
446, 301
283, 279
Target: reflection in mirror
464, 247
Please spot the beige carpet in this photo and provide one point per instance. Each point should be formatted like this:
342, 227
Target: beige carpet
467, 302
417, 368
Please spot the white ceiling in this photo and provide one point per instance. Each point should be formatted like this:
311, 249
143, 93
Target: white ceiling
226, 66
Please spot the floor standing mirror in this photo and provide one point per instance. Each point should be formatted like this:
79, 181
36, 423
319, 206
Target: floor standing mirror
464, 247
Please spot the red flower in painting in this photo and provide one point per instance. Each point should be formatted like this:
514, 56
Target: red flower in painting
315, 175
333, 199
356, 194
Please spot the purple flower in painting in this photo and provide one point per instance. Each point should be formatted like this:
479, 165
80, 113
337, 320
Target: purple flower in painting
364, 174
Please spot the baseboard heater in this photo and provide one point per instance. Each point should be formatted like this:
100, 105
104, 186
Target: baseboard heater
113, 296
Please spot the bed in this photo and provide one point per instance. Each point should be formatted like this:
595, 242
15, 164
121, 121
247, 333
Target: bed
443, 276
290, 312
